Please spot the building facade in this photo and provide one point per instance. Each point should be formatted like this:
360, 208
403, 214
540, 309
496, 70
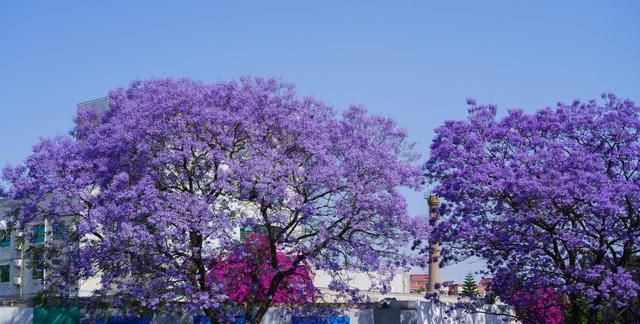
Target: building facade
20, 277
418, 283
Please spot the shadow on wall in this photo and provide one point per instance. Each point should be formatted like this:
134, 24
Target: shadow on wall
277, 315
364, 316
174, 319
16, 315
436, 313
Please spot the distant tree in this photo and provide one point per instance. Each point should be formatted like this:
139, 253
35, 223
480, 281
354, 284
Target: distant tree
158, 183
550, 199
469, 287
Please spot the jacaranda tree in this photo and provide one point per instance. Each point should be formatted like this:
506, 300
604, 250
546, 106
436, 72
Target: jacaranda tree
157, 185
551, 200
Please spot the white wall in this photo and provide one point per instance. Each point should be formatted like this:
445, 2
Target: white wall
428, 312
421, 312
16, 315
362, 281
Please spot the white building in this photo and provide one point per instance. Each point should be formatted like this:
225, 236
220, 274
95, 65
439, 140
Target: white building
19, 277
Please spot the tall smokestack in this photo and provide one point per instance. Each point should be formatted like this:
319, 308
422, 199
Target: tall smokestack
434, 249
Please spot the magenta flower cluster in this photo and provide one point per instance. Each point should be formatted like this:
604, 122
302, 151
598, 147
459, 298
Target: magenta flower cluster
542, 305
246, 273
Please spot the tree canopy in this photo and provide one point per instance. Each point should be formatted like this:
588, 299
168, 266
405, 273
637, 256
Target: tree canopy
156, 185
550, 199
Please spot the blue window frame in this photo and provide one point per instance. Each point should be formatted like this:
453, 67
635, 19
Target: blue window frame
58, 231
37, 272
38, 233
245, 232
4, 273
5, 238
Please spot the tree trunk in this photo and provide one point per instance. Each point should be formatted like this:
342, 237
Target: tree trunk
262, 310
263, 306
575, 311
212, 315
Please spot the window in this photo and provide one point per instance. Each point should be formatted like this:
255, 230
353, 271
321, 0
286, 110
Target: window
37, 272
262, 229
4, 273
58, 231
5, 238
38, 233
245, 232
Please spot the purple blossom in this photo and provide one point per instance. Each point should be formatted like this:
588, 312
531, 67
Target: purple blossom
548, 199
157, 185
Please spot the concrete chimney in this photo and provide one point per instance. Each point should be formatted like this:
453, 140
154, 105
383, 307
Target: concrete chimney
435, 276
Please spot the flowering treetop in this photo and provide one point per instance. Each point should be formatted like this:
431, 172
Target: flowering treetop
157, 183
550, 199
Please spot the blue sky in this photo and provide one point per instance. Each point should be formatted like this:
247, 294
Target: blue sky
413, 61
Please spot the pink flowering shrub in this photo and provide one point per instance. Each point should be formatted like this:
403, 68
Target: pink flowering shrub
246, 274
542, 305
